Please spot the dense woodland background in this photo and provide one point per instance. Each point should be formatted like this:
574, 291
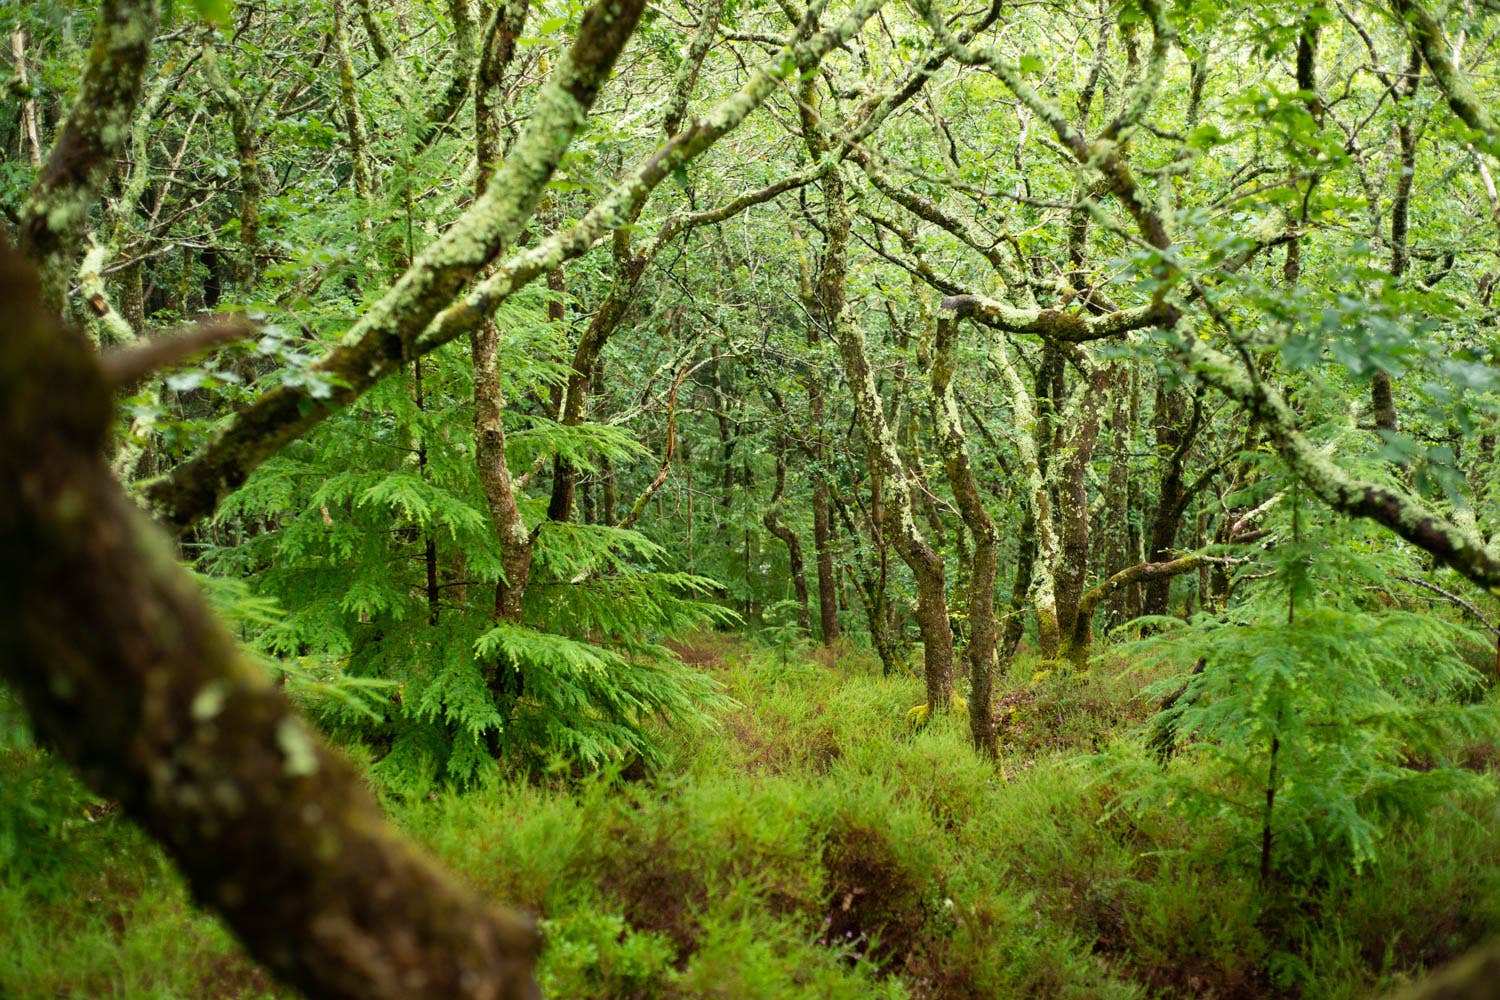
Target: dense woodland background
877, 499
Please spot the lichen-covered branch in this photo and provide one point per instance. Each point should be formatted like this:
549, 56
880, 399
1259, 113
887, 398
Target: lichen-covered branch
1454, 546
612, 211
386, 336
1082, 636
127, 674
1056, 324
56, 212
1426, 32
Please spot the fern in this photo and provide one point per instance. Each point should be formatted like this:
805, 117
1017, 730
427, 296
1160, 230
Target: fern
337, 528
1312, 717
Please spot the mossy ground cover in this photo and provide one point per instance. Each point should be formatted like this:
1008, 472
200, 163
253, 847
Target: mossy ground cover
813, 844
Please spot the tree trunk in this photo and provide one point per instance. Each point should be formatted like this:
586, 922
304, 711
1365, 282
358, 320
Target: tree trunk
514, 539
1176, 426
1072, 515
984, 564
1033, 451
127, 674
1115, 543
1382, 394
772, 521
828, 598
494, 475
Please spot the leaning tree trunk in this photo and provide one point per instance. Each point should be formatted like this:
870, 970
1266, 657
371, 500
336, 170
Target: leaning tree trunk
891, 479
888, 472
126, 672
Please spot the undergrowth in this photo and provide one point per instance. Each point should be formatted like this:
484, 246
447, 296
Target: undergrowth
815, 844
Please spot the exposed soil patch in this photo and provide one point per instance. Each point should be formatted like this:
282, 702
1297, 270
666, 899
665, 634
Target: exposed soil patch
658, 884
875, 906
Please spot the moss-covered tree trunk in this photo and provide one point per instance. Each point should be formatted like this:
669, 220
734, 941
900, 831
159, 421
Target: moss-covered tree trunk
984, 564
125, 671
828, 584
1043, 593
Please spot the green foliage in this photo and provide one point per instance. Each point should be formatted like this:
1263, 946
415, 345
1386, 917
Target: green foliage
1346, 715
340, 531
813, 845
1313, 718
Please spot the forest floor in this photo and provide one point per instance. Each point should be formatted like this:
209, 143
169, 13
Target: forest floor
814, 844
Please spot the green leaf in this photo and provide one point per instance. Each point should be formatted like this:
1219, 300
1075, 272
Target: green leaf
213, 11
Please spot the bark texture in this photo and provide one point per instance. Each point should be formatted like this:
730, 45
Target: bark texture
984, 561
